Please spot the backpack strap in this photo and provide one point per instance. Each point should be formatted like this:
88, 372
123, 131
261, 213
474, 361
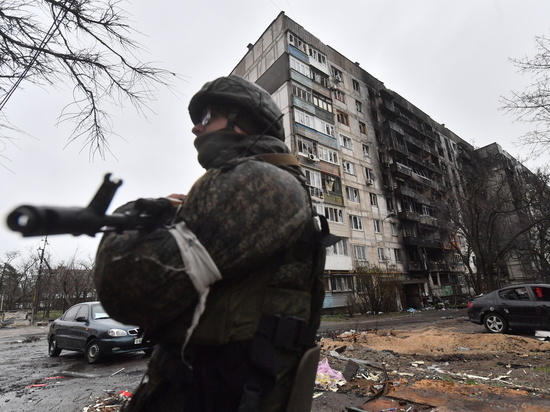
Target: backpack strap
279, 159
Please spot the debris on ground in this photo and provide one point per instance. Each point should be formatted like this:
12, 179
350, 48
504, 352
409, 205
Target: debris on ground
435, 368
112, 401
7, 322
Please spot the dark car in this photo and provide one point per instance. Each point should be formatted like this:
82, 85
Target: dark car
525, 306
86, 327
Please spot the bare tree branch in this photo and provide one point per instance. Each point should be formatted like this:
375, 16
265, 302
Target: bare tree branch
533, 104
86, 43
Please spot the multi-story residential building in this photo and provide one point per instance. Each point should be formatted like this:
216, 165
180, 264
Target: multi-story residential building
381, 171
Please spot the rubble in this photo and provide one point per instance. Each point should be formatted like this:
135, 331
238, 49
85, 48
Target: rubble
436, 369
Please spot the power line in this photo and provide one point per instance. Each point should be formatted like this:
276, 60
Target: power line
55, 25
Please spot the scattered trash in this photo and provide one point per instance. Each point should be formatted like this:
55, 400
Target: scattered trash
328, 378
36, 385
79, 375
350, 332
463, 348
6, 323
117, 372
543, 335
411, 310
109, 402
350, 370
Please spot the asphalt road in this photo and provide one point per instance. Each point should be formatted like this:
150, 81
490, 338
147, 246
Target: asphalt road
402, 320
32, 381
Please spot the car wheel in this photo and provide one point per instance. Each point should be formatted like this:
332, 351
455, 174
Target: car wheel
53, 350
92, 351
495, 323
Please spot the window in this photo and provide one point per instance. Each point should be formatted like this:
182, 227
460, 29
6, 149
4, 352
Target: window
317, 55
381, 254
339, 249
302, 93
328, 155
377, 226
71, 313
322, 102
312, 122
336, 73
313, 181
304, 118
332, 184
427, 211
369, 175
348, 167
319, 77
360, 252
355, 222
352, 194
389, 205
328, 128
341, 283
514, 294
393, 227
346, 142
306, 146
296, 42
342, 117
362, 127
542, 293
338, 95
300, 66
334, 214
359, 106
398, 256
366, 150
355, 85
318, 207
373, 199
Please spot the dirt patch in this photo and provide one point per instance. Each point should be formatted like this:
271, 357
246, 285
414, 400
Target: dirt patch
437, 367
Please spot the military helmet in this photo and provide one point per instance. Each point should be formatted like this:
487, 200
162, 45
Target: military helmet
242, 96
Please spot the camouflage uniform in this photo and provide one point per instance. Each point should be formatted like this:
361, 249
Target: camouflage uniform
255, 220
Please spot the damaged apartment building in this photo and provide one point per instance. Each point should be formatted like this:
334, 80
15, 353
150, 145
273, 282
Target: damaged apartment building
381, 171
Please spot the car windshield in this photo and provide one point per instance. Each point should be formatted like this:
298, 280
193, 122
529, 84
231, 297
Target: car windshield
99, 313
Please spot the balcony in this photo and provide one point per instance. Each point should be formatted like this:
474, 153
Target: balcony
422, 242
400, 169
417, 217
438, 267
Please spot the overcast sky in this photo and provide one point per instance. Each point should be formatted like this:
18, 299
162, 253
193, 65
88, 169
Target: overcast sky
449, 58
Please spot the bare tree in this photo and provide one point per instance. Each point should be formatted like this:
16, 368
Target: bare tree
536, 246
533, 104
376, 290
495, 213
86, 43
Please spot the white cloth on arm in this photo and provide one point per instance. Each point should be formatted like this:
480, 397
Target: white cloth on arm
200, 267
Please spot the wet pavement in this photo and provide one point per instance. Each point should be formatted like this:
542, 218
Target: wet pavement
32, 381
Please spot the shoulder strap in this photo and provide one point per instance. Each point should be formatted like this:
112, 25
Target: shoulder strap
279, 159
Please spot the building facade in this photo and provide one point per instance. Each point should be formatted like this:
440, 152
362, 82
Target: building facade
382, 171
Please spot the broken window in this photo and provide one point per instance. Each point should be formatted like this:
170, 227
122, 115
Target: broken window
355, 222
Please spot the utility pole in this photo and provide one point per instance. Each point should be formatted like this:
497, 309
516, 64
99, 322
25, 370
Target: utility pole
37, 291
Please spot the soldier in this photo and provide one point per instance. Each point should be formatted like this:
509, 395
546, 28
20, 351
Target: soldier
231, 284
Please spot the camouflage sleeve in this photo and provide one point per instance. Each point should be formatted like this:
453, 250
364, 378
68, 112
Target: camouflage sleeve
242, 216
246, 214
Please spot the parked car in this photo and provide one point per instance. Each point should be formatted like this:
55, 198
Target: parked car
525, 306
86, 327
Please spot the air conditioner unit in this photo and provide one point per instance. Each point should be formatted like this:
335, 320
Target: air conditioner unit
370, 182
313, 158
